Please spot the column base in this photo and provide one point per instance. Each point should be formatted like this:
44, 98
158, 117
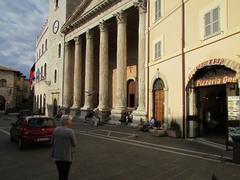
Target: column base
86, 108
65, 110
75, 112
137, 115
84, 113
104, 115
115, 116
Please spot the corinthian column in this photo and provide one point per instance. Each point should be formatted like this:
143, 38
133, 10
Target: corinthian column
121, 90
103, 72
141, 112
68, 75
121, 60
88, 104
77, 90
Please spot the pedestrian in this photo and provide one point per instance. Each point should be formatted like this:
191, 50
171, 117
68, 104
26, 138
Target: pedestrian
59, 113
152, 122
63, 140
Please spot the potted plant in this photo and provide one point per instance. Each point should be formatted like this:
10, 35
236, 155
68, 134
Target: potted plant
174, 130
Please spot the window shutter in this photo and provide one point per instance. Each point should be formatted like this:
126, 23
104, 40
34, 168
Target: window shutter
215, 17
156, 9
211, 22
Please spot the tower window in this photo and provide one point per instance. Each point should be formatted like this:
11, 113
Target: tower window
46, 44
55, 76
56, 5
59, 50
45, 70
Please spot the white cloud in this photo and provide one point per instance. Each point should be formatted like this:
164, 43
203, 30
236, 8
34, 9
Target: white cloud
20, 23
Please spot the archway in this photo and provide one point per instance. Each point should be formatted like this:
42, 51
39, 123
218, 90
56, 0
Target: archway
55, 107
131, 94
208, 90
158, 100
2, 103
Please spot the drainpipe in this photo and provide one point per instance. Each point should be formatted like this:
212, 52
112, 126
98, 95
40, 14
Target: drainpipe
183, 72
63, 64
148, 44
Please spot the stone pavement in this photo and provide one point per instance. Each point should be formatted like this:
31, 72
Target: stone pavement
186, 146
118, 153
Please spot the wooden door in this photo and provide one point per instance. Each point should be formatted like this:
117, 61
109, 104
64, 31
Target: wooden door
159, 105
131, 94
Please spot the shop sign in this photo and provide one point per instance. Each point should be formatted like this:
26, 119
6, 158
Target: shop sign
233, 107
215, 81
215, 61
233, 118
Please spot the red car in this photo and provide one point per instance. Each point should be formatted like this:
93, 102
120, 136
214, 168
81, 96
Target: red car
32, 130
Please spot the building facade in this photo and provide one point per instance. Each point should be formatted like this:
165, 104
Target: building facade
193, 61
173, 60
14, 90
49, 58
105, 58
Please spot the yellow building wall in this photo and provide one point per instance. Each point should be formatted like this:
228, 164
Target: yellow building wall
197, 49
167, 29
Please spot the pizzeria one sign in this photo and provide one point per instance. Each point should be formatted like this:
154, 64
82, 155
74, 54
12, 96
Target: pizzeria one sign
216, 61
215, 81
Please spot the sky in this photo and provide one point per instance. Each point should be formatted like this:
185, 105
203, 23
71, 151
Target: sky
20, 24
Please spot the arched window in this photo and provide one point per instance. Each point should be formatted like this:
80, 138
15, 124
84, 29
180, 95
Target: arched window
37, 104
45, 70
39, 53
55, 76
41, 72
44, 103
158, 85
45, 44
3, 83
59, 50
42, 48
40, 106
56, 5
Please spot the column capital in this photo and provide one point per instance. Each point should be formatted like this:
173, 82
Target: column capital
141, 5
89, 34
103, 26
67, 44
77, 39
121, 17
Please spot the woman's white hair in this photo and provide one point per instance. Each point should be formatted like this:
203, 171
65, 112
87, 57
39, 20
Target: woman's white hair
65, 118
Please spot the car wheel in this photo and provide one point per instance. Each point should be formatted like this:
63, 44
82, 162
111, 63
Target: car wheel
11, 138
20, 143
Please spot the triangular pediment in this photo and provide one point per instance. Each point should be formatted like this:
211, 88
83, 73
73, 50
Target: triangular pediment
84, 10
91, 5
83, 7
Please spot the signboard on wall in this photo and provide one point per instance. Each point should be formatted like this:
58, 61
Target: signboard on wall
233, 118
233, 107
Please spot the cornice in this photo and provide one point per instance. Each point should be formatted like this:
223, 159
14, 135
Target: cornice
72, 24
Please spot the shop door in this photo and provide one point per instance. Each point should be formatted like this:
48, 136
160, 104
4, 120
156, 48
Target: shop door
159, 105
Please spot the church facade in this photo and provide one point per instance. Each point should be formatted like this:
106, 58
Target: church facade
174, 60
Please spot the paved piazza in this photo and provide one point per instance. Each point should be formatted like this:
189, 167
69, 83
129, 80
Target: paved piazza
114, 153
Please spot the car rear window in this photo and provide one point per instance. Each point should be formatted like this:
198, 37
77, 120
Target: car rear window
41, 122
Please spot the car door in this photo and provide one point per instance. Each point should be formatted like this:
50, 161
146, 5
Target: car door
16, 129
